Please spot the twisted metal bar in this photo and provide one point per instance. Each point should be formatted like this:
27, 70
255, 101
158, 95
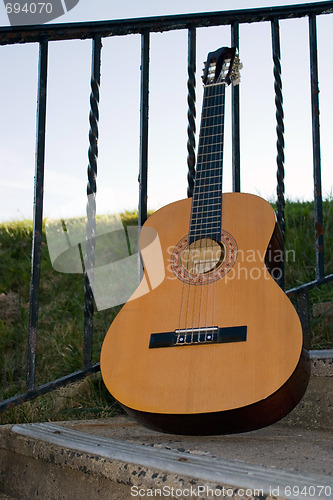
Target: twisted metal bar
279, 131
89, 258
191, 113
279, 124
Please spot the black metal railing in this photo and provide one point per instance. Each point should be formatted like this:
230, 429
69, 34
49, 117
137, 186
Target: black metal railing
96, 31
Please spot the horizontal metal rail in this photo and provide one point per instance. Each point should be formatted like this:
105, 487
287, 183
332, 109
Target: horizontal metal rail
306, 287
68, 31
9, 403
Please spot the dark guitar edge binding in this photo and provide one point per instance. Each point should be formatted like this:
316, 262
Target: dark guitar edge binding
248, 418
274, 254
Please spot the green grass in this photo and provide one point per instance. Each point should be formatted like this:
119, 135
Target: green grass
60, 325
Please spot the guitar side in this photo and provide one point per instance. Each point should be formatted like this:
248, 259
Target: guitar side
208, 389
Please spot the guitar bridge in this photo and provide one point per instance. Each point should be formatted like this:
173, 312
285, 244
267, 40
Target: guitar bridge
198, 336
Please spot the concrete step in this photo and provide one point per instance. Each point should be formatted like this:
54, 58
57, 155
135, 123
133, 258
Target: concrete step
118, 459
52, 462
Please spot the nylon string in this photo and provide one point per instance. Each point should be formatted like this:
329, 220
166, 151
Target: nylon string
210, 192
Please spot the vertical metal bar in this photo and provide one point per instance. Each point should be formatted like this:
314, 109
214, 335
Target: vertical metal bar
191, 113
144, 121
89, 258
235, 119
303, 310
38, 214
144, 118
275, 30
319, 228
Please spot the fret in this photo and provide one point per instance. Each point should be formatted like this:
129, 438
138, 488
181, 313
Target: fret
197, 228
207, 195
201, 153
209, 166
203, 175
205, 230
203, 222
214, 131
204, 170
207, 199
212, 134
197, 211
202, 218
214, 178
211, 109
213, 234
214, 212
209, 189
213, 106
213, 116
212, 165
212, 101
199, 221
207, 220
200, 214
210, 194
212, 144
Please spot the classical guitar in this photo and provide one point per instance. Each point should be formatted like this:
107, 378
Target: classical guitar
209, 343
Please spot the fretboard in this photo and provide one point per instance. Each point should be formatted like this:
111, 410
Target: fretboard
207, 194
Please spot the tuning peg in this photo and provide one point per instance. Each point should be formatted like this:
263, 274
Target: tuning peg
235, 73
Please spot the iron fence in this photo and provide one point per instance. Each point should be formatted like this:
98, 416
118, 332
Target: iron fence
96, 31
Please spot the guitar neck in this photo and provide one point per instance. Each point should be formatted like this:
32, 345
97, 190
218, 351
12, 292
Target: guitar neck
207, 194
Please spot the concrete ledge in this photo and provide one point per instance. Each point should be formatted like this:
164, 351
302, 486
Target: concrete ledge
79, 466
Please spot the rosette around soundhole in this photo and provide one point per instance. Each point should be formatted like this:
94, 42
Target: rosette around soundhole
205, 260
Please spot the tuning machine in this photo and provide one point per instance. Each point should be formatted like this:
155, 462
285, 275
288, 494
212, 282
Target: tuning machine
235, 71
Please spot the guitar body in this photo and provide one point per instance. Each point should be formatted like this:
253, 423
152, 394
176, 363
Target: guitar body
159, 361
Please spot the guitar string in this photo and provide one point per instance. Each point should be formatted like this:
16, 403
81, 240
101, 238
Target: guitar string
198, 187
199, 190
209, 188
186, 287
196, 218
211, 290
210, 147
205, 190
220, 184
208, 195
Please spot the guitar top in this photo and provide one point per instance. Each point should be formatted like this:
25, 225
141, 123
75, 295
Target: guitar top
208, 343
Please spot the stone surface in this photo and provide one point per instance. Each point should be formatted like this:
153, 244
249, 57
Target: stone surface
59, 462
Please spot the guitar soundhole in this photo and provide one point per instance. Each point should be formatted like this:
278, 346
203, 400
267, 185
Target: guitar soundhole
205, 260
202, 256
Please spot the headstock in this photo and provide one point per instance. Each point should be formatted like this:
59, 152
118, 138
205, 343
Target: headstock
222, 66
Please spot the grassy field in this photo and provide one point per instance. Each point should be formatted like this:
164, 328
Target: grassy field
59, 349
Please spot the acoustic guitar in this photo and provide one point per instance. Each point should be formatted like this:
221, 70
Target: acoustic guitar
209, 343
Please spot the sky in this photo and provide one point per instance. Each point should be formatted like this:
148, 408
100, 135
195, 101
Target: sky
68, 92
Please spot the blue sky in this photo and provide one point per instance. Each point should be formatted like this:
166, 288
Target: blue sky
68, 110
